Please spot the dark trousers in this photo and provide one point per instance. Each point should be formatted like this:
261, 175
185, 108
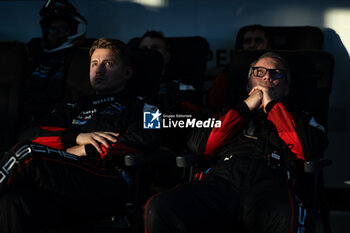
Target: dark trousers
238, 196
43, 188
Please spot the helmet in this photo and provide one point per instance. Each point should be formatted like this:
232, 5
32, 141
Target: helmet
62, 26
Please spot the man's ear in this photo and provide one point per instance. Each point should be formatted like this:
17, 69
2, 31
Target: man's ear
128, 72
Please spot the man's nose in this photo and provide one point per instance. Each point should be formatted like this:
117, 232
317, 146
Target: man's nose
268, 76
252, 45
101, 68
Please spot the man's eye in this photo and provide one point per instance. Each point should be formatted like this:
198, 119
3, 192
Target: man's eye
93, 64
261, 71
108, 63
247, 41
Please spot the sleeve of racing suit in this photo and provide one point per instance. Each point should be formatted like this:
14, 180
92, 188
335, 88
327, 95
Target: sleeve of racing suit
135, 139
51, 130
300, 135
208, 142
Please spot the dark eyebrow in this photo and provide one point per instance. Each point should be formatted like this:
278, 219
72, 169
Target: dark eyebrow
109, 60
106, 60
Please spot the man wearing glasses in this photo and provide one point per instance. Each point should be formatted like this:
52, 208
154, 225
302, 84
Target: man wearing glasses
268, 78
256, 185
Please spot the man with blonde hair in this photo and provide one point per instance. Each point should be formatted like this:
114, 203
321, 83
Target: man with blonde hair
67, 168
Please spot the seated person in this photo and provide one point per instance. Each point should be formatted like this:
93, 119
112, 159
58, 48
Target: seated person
67, 167
255, 37
174, 96
63, 29
257, 186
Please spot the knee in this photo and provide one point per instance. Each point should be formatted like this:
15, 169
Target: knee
156, 216
276, 217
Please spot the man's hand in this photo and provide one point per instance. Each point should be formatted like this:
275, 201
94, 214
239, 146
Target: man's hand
97, 138
78, 150
265, 97
254, 100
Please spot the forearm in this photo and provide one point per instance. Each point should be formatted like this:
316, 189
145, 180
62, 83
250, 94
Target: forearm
127, 143
208, 142
48, 136
49, 131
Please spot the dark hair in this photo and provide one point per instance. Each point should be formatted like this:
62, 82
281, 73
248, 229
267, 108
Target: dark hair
272, 55
254, 27
155, 34
118, 47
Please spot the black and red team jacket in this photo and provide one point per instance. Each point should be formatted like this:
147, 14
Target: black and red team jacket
113, 113
305, 138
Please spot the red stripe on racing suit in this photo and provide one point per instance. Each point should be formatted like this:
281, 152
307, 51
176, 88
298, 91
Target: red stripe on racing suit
231, 123
51, 141
117, 149
286, 129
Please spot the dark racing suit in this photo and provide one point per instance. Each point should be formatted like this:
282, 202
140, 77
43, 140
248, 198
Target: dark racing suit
257, 184
44, 85
44, 187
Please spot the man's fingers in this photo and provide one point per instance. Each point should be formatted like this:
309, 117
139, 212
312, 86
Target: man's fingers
110, 133
252, 91
105, 138
97, 138
255, 91
114, 134
109, 136
102, 140
96, 145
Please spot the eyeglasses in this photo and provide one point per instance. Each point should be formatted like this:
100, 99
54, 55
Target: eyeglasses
261, 72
